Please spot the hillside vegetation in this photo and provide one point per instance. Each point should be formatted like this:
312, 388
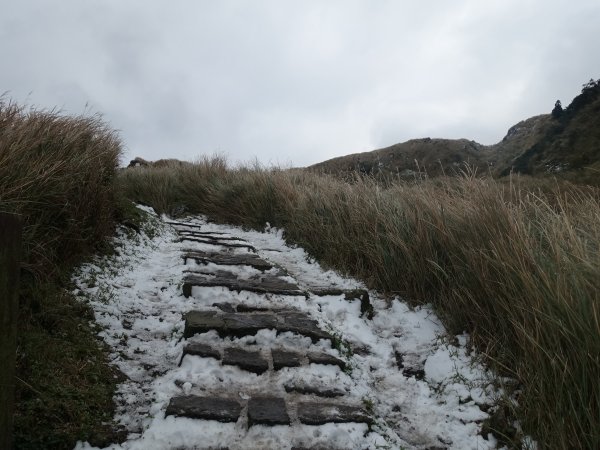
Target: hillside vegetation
516, 264
57, 173
565, 143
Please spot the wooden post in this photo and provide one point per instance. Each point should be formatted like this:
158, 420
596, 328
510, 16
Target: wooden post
10, 249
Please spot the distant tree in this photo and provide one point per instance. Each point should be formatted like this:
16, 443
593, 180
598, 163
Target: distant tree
558, 110
589, 85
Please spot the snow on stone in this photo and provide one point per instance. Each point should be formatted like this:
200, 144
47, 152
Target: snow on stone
137, 299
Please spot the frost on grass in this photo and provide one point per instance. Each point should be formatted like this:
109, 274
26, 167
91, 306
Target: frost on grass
422, 390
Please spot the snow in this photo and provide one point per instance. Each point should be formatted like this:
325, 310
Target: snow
137, 300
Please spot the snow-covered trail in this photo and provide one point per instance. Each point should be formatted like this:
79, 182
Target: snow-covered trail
304, 364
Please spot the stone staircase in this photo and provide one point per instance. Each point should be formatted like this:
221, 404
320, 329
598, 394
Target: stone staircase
273, 403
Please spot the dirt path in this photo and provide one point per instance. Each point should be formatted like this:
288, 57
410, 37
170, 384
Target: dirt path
231, 339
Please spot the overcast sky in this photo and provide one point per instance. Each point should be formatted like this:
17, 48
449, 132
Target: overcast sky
297, 82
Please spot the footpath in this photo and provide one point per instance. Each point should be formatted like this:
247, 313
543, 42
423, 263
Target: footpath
231, 339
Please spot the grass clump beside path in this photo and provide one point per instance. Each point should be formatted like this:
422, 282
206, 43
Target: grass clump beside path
57, 172
515, 264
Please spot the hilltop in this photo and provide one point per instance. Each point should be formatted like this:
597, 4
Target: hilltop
565, 142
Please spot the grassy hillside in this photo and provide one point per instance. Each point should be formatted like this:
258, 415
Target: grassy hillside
567, 146
516, 264
416, 158
57, 173
570, 143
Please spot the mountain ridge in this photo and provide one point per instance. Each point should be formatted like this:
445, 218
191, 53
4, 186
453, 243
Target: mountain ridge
565, 142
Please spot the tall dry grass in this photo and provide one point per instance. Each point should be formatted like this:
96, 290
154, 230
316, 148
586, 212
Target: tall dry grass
57, 172
516, 265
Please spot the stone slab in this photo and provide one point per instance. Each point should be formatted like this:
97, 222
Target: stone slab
301, 323
313, 413
202, 350
197, 322
319, 391
267, 411
252, 361
206, 408
264, 284
249, 323
244, 324
216, 241
221, 259
325, 359
209, 235
285, 358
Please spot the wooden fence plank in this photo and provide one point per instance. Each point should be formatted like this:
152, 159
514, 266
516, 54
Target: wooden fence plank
10, 249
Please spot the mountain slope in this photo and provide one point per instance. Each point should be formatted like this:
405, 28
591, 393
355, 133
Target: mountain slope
566, 142
411, 159
570, 142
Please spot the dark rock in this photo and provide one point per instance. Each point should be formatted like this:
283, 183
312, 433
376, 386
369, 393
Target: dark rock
139, 162
246, 308
326, 359
315, 448
366, 309
207, 408
312, 413
399, 360
362, 350
313, 390
251, 361
419, 374
202, 350
267, 411
284, 358
322, 292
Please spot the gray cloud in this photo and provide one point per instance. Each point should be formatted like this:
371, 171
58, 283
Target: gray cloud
297, 82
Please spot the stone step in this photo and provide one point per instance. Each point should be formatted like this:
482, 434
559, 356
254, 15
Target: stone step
325, 359
248, 324
216, 241
286, 358
223, 259
209, 235
254, 361
313, 413
314, 390
206, 408
249, 360
199, 349
265, 410
264, 284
